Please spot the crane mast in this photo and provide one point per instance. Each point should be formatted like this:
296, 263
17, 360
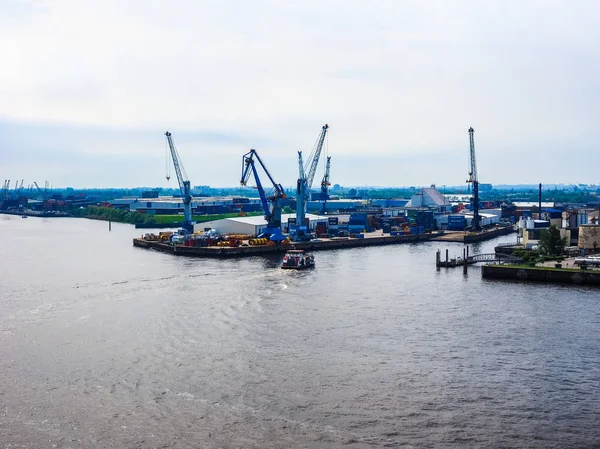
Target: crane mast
184, 184
475, 181
5, 188
325, 182
305, 181
273, 212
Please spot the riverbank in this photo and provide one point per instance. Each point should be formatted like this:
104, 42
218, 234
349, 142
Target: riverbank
541, 274
34, 213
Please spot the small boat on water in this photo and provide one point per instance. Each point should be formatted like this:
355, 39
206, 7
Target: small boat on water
297, 259
23, 216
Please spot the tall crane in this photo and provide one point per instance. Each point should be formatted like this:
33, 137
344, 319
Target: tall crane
41, 192
304, 184
476, 225
325, 184
184, 185
272, 212
5, 189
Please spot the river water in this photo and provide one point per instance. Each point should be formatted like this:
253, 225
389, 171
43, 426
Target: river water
104, 345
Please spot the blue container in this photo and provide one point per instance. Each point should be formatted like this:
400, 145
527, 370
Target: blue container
360, 236
394, 233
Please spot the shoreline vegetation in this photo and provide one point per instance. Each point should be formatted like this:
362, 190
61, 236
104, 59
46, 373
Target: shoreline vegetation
123, 216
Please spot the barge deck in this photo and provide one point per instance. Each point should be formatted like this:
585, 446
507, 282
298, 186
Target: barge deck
249, 251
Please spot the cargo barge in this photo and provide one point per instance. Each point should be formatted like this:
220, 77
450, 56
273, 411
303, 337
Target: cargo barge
249, 251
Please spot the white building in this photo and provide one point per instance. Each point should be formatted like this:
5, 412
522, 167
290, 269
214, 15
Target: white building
251, 225
429, 197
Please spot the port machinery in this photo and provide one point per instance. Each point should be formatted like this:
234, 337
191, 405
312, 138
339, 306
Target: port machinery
476, 224
272, 211
306, 176
325, 183
184, 184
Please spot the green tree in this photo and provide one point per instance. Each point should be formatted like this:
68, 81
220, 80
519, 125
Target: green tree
287, 210
551, 243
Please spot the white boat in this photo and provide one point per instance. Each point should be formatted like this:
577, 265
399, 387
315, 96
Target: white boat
297, 259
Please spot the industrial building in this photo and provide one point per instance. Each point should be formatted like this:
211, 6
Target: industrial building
430, 197
460, 222
200, 206
336, 205
252, 225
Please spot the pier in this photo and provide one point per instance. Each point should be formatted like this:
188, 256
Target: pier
473, 237
467, 259
249, 251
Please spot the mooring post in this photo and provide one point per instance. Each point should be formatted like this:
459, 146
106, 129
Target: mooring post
109, 225
437, 258
446, 255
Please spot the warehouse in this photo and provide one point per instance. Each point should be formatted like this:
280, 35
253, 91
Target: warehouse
167, 205
251, 225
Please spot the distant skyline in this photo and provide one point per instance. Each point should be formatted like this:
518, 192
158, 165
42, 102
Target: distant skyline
87, 90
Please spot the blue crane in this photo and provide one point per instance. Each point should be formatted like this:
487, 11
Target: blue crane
304, 184
5, 188
476, 225
325, 183
272, 212
184, 185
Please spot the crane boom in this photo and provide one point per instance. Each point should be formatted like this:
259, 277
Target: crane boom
184, 183
317, 155
473, 172
304, 184
474, 180
273, 213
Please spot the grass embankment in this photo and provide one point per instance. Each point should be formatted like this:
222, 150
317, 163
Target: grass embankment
110, 214
123, 216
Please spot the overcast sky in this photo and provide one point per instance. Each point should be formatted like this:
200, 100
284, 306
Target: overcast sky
88, 88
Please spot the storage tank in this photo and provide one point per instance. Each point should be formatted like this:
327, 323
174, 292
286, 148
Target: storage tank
589, 237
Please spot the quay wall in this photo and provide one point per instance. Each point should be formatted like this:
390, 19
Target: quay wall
249, 251
473, 238
547, 275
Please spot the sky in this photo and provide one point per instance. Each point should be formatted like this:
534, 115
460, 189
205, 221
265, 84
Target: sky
88, 89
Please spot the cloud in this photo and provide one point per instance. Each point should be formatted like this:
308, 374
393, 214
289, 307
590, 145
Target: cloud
392, 78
